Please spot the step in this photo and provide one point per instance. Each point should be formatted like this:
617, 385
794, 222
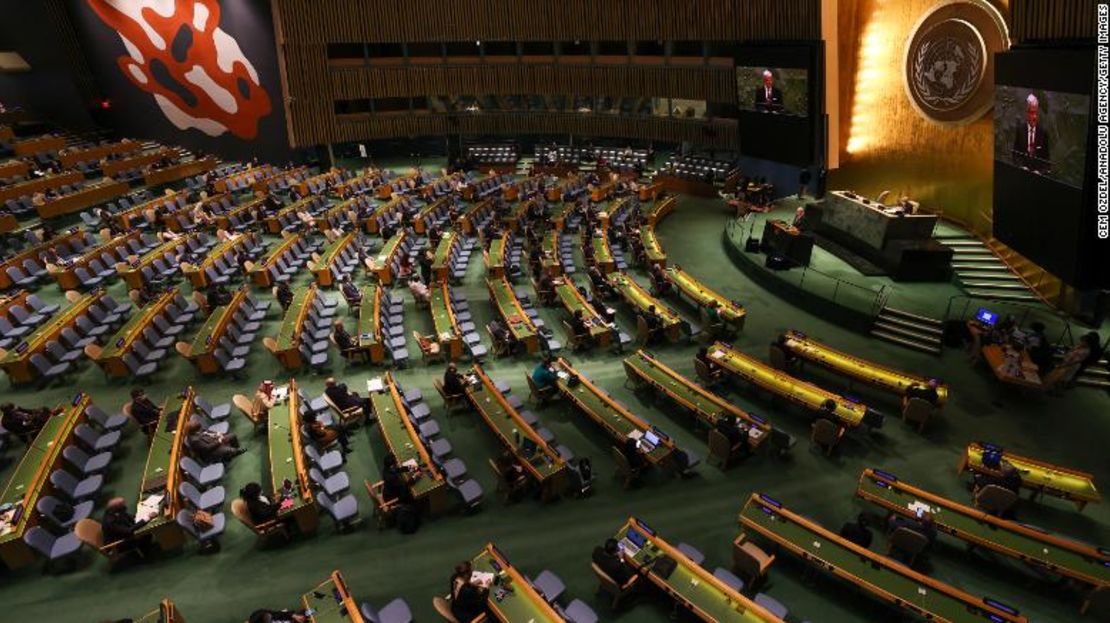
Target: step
1003, 296
961, 242
997, 267
964, 275
912, 325
895, 339
1000, 285
909, 317
910, 333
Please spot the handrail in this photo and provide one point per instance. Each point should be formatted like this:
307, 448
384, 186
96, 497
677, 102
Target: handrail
1021, 311
878, 298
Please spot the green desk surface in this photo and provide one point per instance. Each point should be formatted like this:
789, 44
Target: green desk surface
291, 322
161, 447
605, 412
602, 254
652, 249
807, 394
1039, 475
441, 316
400, 442
510, 309
443, 250
522, 604
203, 342
497, 252
22, 485
705, 403
569, 295
388, 249
23, 478
641, 299
328, 609
942, 601
972, 525
283, 463
120, 343
730, 311
368, 330
504, 425
712, 598
333, 249
51, 327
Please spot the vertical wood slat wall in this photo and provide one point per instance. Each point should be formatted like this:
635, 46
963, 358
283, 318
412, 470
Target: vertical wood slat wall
1052, 19
308, 26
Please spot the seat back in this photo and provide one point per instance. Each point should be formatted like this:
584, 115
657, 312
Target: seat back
750, 561
917, 411
909, 541
995, 499
90, 532
720, 450
825, 432
443, 608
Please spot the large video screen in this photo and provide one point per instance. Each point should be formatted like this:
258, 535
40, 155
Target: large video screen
1042, 132
778, 90
1043, 141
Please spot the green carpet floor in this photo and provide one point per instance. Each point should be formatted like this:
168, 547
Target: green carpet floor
227, 586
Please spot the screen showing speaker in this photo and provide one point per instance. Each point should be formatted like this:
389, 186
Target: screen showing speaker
777, 90
1042, 132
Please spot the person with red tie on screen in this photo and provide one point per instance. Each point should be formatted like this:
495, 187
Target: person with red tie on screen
767, 97
1031, 147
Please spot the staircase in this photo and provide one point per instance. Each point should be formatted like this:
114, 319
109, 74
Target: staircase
982, 273
909, 330
1095, 376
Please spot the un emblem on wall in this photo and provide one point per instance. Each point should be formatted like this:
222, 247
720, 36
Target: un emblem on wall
949, 65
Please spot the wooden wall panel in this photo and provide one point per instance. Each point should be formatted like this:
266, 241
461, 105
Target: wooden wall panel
720, 134
1053, 19
308, 26
708, 83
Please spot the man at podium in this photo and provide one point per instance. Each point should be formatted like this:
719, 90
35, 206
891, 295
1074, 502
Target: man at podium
768, 98
1031, 144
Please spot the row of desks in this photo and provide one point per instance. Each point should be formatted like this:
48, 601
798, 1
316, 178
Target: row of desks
182, 170
443, 319
71, 157
111, 356
426, 483
198, 276
287, 350
618, 421
641, 300
89, 195
260, 272
17, 361
807, 395
702, 403
383, 262
1038, 476
895, 381
329, 256
138, 161
31, 480
159, 500
289, 479
202, 350
133, 274
572, 300
543, 464
35, 252
66, 276
731, 312
887, 579
28, 188
370, 339
503, 297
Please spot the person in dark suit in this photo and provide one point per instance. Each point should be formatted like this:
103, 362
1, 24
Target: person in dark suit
259, 507
1031, 144
395, 481
120, 525
608, 558
454, 384
143, 409
468, 601
767, 97
346, 399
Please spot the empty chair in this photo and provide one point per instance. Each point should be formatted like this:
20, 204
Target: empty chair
208, 500
139, 369
97, 442
106, 422
332, 485
47, 505
60, 354
88, 329
396, 611
10, 331
73, 340
344, 510
772, 605
52, 547
729, 578
76, 490
202, 475
580, 612
328, 462
469, 491
86, 464
23, 317
691, 552
213, 412
48, 371
550, 585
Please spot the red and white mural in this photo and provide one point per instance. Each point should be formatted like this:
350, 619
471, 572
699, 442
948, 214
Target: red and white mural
196, 72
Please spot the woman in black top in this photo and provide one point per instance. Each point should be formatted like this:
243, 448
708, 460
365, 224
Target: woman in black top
394, 483
259, 507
